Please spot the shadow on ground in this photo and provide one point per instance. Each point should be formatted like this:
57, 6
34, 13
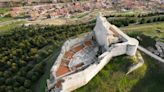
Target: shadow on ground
153, 80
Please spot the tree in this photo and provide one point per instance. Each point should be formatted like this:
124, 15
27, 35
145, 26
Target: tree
19, 79
142, 21
22, 89
2, 88
7, 74
148, 21
9, 89
16, 84
22, 63
28, 90
27, 83
33, 78
125, 22
30, 74
33, 51
8, 81
1, 74
16, 89
2, 80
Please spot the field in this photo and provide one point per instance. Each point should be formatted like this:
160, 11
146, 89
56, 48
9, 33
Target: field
4, 10
5, 19
154, 30
7, 27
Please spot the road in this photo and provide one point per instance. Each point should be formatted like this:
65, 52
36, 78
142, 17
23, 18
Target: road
150, 54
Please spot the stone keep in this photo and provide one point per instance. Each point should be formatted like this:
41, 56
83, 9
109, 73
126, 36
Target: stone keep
104, 35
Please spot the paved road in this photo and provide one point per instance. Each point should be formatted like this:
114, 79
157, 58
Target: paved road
150, 54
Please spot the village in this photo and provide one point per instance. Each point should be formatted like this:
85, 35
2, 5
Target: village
66, 10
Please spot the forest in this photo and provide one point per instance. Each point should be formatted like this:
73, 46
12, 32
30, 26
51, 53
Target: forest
23, 50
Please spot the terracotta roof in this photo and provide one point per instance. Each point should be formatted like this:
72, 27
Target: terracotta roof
88, 43
78, 48
63, 68
68, 54
58, 84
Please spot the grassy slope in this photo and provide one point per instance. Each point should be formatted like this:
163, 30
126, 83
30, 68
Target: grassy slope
5, 19
4, 10
112, 77
7, 27
147, 29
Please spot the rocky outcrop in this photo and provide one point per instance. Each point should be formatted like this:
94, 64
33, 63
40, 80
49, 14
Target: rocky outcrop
158, 50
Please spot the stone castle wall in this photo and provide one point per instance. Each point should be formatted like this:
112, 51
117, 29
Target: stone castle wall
80, 78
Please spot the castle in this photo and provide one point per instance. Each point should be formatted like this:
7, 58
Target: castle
83, 57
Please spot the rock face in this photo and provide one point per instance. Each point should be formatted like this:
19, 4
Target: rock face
80, 60
160, 48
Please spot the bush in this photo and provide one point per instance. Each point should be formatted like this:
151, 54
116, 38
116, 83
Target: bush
27, 83
142, 21
148, 21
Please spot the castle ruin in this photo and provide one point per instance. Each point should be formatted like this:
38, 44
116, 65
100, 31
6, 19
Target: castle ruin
83, 57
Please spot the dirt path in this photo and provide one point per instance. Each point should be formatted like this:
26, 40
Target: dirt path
62, 21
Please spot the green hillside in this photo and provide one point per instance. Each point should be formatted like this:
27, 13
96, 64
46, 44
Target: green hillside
113, 78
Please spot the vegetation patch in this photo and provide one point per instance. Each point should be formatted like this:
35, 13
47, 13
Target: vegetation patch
113, 78
3, 19
3, 10
24, 51
153, 30
10, 26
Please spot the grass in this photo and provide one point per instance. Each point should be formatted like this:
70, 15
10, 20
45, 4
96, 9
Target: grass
149, 29
4, 10
112, 77
7, 27
80, 15
3, 19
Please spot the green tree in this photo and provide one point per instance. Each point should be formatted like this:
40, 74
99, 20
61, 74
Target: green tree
27, 83
2, 80
22, 88
8, 81
142, 21
7, 74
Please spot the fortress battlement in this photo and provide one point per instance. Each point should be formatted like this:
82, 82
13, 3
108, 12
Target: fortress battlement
83, 57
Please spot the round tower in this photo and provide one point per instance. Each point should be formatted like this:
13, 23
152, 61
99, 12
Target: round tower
132, 47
